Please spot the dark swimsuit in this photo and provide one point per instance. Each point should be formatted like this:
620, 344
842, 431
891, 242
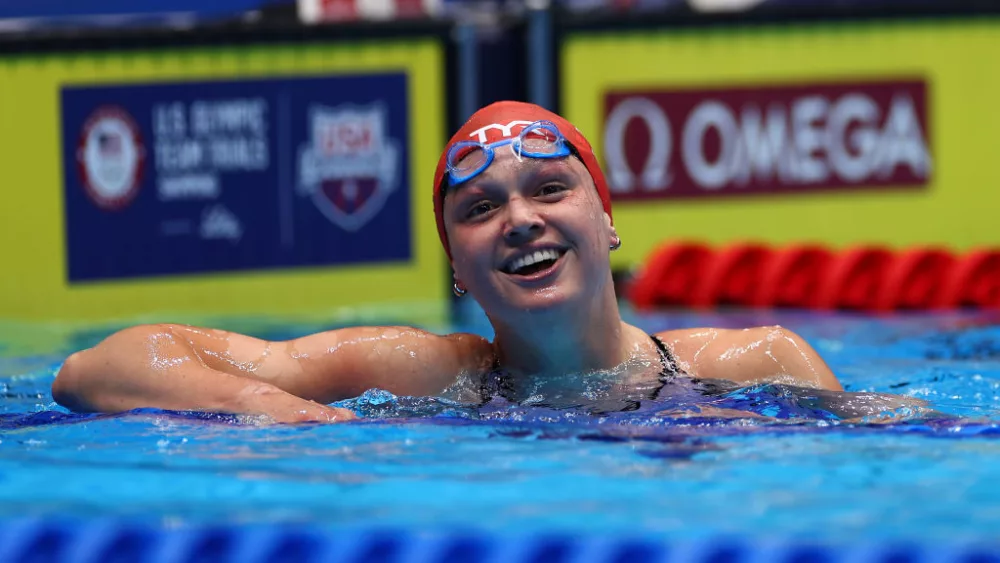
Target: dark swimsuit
670, 367
495, 383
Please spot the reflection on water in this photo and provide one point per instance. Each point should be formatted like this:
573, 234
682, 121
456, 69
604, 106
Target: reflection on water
680, 399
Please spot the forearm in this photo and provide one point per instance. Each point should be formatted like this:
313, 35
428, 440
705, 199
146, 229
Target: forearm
88, 382
147, 367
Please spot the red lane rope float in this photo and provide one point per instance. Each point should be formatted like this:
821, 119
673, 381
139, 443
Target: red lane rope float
792, 277
809, 276
854, 278
914, 279
974, 281
732, 276
671, 275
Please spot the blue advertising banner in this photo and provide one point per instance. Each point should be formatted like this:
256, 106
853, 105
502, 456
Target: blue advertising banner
188, 178
61, 8
39, 15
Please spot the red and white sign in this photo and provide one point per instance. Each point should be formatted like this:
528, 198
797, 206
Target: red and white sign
663, 144
318, 11
110, 157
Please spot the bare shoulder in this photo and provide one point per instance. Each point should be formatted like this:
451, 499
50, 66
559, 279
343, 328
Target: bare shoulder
474, 352
695, 342
750, 355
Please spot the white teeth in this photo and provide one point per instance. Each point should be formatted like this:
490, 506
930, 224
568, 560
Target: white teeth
532, 258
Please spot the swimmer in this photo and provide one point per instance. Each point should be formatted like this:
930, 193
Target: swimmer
524, 213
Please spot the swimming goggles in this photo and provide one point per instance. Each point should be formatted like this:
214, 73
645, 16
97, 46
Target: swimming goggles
541, 139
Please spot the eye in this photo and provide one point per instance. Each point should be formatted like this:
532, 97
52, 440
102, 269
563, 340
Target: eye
479, 208
551, 189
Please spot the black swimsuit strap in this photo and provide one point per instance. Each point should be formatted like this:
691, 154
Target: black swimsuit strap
670, 367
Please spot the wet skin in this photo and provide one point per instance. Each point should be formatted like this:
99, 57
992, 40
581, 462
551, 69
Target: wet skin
553, 317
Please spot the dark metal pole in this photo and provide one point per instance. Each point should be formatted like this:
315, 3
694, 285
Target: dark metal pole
539, 54
468, 70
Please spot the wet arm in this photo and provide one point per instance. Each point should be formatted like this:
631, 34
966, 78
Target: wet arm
157, 366
184, 367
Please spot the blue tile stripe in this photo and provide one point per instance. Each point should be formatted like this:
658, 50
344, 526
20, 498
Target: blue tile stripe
40, 540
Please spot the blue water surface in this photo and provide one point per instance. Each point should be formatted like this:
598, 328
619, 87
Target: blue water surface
797, 470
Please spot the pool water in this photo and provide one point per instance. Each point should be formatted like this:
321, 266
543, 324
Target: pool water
925, 473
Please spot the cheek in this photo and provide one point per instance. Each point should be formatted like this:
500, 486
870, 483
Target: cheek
590, 220
468, 251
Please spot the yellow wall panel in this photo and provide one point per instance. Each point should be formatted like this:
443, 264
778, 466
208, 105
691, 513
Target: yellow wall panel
957, 59
33, 281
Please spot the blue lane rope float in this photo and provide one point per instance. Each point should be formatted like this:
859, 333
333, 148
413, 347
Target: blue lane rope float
37, 540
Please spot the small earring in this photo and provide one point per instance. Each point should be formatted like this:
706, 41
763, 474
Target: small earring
458, 291
617, 244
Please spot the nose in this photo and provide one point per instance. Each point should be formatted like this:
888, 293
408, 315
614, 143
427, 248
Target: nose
523, 222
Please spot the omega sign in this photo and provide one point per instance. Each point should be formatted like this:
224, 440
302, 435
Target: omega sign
735, 141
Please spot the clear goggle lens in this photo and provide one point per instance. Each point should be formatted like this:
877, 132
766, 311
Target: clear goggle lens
470, 158
539, 141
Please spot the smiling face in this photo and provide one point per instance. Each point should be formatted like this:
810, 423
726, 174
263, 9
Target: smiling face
529, 234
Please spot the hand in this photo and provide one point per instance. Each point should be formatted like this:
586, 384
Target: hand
283, 407
312, 412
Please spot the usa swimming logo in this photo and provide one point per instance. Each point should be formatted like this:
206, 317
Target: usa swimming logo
350, 166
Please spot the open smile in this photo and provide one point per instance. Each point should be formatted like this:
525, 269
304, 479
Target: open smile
533, 264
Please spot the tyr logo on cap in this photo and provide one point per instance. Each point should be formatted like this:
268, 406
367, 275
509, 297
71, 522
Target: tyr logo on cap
505, 130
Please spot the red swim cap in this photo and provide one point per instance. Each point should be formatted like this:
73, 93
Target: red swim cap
504, 120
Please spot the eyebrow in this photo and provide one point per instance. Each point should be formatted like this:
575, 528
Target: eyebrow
446, 189
539, 167
460, 190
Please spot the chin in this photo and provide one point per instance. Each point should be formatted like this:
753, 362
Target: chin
542, 300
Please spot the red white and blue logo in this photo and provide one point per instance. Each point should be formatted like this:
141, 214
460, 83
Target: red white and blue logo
350, 166
110, 158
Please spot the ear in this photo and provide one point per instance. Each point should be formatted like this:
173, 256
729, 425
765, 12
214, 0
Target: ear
613, 238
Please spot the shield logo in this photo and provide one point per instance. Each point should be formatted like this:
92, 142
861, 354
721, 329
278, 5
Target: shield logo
350, 166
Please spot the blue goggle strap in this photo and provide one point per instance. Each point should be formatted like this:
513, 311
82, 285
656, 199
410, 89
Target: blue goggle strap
457, 177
